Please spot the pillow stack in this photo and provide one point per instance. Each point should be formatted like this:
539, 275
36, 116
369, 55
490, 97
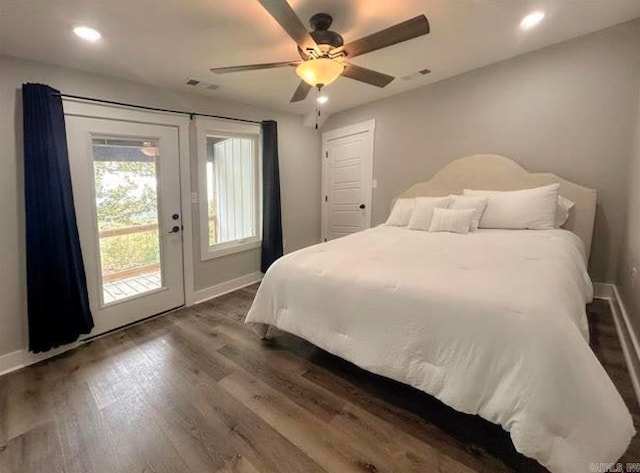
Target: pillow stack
451, 211
539, 208
401, 213
562, 210
423, 211
452, 220
478, 204
533, 209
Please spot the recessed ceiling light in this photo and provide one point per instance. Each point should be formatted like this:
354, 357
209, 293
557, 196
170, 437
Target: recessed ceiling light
531, 20
322, 99
87, 33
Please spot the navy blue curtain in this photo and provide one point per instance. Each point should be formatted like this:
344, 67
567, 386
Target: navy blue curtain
272, 248
58, 304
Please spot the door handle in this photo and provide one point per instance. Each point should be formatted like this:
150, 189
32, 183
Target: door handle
175, 229
362, 206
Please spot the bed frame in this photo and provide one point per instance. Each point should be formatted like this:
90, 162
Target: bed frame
495, 172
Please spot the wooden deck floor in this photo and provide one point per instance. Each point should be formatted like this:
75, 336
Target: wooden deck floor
128, 287
195, 391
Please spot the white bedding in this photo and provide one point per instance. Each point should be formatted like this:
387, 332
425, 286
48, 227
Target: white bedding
490, 322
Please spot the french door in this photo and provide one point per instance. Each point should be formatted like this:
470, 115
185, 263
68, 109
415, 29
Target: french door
126, 187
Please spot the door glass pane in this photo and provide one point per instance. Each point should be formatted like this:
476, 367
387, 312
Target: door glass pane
126, 189
231, 201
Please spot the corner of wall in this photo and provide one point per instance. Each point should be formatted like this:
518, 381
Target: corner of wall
628, 277
626, 332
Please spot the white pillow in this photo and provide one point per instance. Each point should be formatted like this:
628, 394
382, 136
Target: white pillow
527, 208
452, 220
562, 210
465, 202
423, 211
401, 213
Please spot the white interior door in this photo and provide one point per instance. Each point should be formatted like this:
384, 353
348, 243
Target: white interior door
126, 186
347, 180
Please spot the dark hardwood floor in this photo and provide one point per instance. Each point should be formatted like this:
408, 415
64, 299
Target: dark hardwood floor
196, 391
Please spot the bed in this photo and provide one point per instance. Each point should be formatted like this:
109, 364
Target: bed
491, 322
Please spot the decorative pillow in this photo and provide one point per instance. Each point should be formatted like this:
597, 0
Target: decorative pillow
562, 210
401, 213
452, 220
421, 217
534, 209
465, 202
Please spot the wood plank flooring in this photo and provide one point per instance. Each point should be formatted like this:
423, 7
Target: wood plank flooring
196, 391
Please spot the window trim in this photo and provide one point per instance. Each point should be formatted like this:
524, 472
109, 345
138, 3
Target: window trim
206, 127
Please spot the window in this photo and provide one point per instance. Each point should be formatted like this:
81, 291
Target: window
229, 191
126, 203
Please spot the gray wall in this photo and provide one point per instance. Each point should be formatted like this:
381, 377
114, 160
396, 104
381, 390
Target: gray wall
299, 170
568, 109
630, 255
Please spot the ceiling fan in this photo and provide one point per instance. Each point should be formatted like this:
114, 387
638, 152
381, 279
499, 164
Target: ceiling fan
323, 52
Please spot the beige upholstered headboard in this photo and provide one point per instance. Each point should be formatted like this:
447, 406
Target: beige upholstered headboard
494, 172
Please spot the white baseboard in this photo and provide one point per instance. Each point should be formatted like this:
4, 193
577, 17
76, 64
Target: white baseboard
20, 358
602, 290
226, 287
626, 333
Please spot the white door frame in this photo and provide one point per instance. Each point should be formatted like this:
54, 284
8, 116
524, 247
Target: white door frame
370, 126
182, 123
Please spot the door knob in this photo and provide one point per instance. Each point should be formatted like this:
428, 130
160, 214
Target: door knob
175, 229
362, 206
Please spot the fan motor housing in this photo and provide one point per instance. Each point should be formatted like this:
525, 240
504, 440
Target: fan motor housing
324, 38
330, 38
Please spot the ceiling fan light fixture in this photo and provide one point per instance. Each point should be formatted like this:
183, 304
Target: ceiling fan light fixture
322, 71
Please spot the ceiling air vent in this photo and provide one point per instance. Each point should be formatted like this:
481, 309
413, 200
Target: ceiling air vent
200, 84
413, 75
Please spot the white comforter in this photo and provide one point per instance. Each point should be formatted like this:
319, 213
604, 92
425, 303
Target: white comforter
491, 323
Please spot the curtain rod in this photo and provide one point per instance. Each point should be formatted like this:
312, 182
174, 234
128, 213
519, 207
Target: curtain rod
155, 109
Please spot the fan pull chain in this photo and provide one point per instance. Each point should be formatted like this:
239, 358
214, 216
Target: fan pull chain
318, 104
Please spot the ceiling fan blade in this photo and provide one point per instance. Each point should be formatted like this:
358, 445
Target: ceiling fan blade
404, 31
367, 75
301, 92
253, 67
282, 12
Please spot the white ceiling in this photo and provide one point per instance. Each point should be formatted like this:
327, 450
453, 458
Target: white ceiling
165, 42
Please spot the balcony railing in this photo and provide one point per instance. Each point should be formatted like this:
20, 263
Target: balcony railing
113, 276
127, 230
112, 259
